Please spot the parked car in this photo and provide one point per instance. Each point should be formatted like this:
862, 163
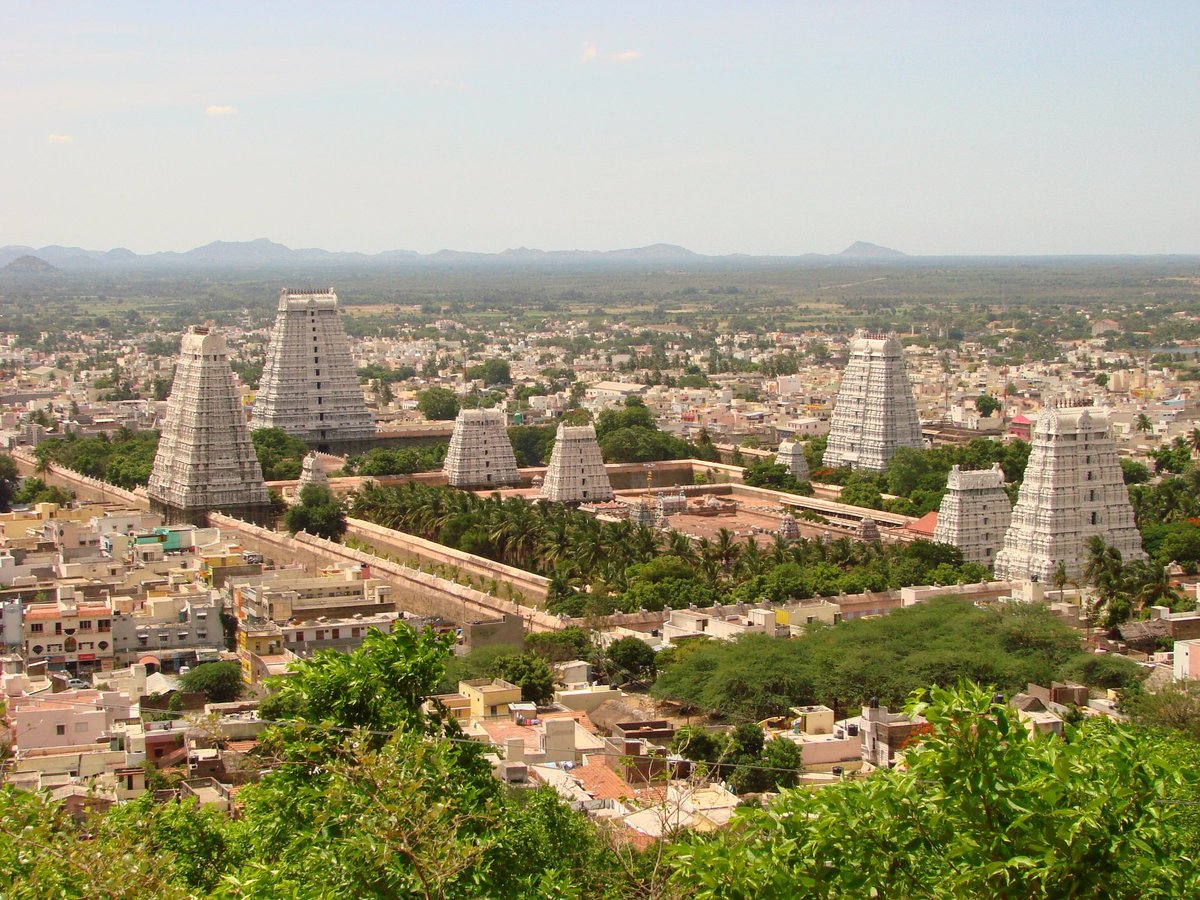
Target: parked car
77, 683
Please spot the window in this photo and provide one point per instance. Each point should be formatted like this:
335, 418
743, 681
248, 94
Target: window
104, 625
58, 627
1095, 518
103, 645
337, 633
37, 628
85, 625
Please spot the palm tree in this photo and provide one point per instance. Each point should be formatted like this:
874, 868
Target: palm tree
1193, 441
1142, 423
1060, 578
1152, 585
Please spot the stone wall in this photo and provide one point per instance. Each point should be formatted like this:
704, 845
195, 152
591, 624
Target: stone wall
416, 591
523, 585
84, 486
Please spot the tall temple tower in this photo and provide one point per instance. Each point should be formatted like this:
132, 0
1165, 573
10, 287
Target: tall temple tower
309, 382
975, 513
875, 412
791, 457
205, 460
576, 472
1073, 489
480, 454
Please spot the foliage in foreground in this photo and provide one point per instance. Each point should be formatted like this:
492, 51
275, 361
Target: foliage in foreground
982, 810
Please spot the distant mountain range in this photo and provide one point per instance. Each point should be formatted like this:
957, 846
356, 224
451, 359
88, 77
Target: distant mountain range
264, 253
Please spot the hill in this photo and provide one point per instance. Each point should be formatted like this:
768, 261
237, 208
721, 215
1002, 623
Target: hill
865, 250
28, 265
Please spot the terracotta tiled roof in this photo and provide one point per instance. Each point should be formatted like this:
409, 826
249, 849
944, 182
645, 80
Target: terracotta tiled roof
602, 782
925, 524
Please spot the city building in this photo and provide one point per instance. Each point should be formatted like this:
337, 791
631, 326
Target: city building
875, 412
480, 454
309, 384
205, 460
1073, 490
69, 633
791, 457
576, 473
974, 514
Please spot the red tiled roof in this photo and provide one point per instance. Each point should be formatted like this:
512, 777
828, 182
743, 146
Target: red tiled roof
602, 782
925, 524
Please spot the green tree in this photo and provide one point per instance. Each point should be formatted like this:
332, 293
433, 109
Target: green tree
531, 673
629, 659
981, 809
280, 455
220, 682
437, 403
986, 405
319, 513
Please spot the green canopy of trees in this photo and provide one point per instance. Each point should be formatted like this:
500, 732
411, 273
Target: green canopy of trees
124, 460
399, 461
280, 455
437, 403
220, 682
319, 512
933, 643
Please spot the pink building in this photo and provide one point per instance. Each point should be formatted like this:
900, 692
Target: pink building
66, 719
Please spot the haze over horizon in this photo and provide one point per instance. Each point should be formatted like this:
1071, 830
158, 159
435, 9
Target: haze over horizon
938, 129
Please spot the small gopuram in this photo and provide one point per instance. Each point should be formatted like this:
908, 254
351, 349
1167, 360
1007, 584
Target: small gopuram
975, 513
309, 383
576, 473
875, 412
1073, 489
791, 457
312, 471
480, 454
205, 460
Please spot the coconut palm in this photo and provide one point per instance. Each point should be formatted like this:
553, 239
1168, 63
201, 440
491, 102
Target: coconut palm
1142, 423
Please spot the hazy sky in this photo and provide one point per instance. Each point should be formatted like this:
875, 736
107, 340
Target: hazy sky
782, 127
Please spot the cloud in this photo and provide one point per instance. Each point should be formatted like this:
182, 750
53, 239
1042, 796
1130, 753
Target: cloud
60, 139
220, 111
591, 52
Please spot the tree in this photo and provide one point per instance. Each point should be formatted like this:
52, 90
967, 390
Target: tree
986, 404
319, 513
437, 403
9, 479
981, 808
629, 659
493, 371
220, 682
280, 455
1142, 423
531, 673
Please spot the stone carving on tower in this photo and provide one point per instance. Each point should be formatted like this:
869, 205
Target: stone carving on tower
309, 385
791, 457
875, 412
205, 459
312, 471
1073, 489
975, 513
480, 454
576, 473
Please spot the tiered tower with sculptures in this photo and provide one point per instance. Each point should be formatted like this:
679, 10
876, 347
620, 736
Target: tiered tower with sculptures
480, 454
875, 412
205, 459
309, 384
975, 513
576, 473
1073, 489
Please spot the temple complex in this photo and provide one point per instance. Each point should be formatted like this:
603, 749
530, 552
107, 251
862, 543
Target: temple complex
975, 513
875, 412
1073, 489
791, 457
480, 454
309, 383
205, 459
576, 472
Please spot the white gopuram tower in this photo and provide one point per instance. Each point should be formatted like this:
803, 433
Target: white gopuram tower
309, 384
875, 411
312, 471
205, 460
576, 473
1073, 489
480, 454
791, 457
975, 513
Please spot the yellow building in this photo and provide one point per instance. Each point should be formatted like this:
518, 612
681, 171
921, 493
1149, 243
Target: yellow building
489, 698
